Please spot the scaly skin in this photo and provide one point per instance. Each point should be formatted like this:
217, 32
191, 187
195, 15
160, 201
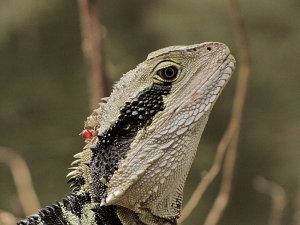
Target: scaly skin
143, 140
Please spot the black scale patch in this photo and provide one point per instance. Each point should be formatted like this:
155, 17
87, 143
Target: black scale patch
106, 215
112, 146
76, 183
75, 202
53, 215
49, 215
114, 143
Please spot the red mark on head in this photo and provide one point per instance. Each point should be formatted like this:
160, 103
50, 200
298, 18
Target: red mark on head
87, 134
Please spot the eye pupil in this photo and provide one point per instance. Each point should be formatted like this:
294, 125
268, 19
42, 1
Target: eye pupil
168, 73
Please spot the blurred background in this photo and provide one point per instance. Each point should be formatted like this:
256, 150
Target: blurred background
44, 92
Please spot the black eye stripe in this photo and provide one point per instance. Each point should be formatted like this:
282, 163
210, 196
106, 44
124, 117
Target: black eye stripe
113, 144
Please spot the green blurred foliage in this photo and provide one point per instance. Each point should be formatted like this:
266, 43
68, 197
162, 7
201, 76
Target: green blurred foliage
44, 99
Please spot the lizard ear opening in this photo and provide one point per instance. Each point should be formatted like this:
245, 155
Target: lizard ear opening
166, 72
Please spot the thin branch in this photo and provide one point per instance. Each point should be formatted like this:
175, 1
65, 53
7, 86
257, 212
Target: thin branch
92, 49
296, 216
237, 111
209, 176
223, 197
230, 137
278, 198
22, 178
7, 218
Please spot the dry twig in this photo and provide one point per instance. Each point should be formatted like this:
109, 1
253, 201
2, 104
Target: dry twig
7, 218
296, 216
238, 105
92, 48
278, 197
22, 178
208, 177
230, 137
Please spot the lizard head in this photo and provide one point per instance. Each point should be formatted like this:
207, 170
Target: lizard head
182, 84
149, 128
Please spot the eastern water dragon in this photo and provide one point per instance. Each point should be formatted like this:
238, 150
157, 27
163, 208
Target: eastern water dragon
142, 140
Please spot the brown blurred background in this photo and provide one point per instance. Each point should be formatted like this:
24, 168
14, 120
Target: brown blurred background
44, 94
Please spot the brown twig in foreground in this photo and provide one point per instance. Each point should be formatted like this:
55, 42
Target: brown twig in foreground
208, 177
296, 216
7, 218
22, 179
238, 105
223, 196
230, 137
278, 197
92, 48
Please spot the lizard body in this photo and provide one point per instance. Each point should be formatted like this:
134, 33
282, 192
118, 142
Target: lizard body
133, 170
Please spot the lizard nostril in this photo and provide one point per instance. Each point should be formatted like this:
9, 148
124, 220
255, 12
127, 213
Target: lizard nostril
209, 48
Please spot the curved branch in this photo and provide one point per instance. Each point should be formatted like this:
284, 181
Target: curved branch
22, 179
228, 144
237, 111
278, 197
209, 176
7, 218
92, 47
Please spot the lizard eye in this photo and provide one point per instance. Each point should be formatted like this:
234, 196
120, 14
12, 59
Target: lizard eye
168, 73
